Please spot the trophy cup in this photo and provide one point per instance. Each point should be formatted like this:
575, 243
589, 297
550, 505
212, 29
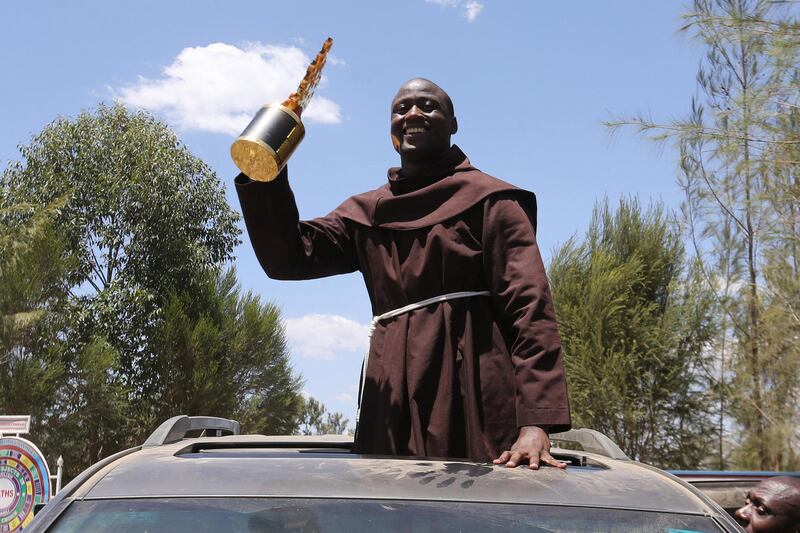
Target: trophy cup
263, 148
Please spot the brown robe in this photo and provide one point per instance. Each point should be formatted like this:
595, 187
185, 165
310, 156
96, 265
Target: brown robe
454, 379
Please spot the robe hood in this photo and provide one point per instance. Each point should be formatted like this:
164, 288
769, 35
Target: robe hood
450, 187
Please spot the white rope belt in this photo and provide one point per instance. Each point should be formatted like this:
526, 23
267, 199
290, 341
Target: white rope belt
397, 312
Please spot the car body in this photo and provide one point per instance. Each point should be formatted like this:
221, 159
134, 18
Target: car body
315, 483
727, 488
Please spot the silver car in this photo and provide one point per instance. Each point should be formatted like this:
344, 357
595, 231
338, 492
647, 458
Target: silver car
255, 483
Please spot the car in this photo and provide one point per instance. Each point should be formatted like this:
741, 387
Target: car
198, 474
728, 488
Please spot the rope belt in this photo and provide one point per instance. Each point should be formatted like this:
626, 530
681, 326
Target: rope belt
400, 311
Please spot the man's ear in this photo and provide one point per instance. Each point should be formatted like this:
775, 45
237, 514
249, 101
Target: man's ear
454, 126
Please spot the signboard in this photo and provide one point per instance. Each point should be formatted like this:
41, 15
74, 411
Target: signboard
15, 424
24, 482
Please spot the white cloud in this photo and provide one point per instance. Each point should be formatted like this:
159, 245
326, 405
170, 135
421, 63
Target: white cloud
220, 87
321, 336
335, 60
344, 397
471, 8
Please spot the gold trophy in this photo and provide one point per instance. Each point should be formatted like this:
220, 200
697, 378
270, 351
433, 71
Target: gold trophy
263, 148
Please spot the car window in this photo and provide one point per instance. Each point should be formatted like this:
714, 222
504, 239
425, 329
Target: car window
200, 515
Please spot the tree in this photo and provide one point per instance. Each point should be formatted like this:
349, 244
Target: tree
31, 271
316, 420
141, 215
90, 417
216, 351
739, 162
31, 293
635, 323
146, 324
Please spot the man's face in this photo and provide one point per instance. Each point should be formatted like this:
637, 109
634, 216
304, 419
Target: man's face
422, 121
769, 508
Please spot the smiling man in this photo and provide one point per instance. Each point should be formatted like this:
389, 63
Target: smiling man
465, 357
773, 506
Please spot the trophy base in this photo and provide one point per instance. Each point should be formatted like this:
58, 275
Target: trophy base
267, 143
258, 161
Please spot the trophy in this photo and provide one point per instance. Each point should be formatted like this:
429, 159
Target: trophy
263, 148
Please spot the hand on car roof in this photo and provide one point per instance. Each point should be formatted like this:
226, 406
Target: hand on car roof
532, 446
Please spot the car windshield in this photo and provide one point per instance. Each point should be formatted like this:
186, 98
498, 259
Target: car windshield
200, 515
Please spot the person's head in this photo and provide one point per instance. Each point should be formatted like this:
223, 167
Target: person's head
422, 121
773, 506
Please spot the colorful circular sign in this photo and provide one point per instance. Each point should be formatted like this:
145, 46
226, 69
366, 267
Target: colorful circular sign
24, 482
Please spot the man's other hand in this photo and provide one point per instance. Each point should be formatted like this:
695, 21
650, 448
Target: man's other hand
532, 445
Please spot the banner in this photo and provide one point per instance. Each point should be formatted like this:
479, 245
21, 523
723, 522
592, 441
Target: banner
14, 424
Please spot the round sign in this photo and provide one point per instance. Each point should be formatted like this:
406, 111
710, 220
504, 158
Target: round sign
24, 482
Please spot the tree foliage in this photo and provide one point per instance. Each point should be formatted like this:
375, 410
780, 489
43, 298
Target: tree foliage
634, 323
316, 420
224, 353
739, 161
32, 291
31, 271
140, 208
141, 214
137, 320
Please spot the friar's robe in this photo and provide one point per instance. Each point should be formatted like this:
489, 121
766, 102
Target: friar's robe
454, 379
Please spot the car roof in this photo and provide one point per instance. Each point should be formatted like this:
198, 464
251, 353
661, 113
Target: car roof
323, 467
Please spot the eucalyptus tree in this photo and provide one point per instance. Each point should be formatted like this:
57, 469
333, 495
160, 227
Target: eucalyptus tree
141, 214
150, 323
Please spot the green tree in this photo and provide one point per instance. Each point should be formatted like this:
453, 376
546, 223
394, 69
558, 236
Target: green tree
31, 271
145, 325
31, 294
634, 323
216, 351
90, 417
739, 167
141, 215
316, 420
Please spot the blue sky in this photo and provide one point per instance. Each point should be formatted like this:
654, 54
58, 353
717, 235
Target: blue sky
531, 81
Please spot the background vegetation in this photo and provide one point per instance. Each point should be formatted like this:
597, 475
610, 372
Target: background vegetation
118, 311
739, 157
635, 321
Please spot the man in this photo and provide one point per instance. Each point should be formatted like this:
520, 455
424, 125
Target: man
773, 506
477, 373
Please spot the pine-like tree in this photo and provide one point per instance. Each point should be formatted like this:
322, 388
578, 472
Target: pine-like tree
635, 324
739, 165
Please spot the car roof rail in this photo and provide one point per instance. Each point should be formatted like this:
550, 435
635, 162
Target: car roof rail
592, 441
177, 427
325, 443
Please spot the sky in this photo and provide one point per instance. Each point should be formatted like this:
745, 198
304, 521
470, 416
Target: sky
532, 82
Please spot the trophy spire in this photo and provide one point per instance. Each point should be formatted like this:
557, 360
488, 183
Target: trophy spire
299, 99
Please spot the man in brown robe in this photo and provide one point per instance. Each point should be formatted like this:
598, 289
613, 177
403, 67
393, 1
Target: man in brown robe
478, 377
